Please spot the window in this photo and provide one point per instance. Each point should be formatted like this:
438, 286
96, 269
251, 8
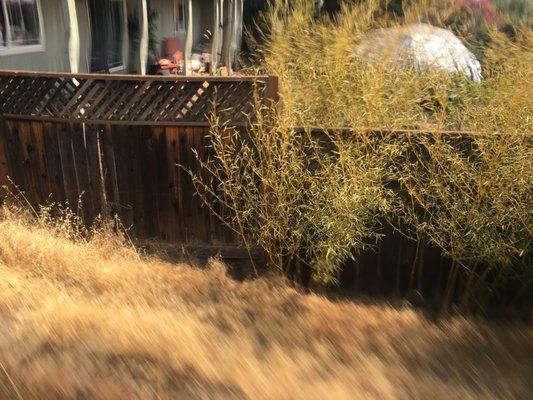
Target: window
116, 16
179, 15
108, 22
20, 26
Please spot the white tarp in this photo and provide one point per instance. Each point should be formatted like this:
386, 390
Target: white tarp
421, 46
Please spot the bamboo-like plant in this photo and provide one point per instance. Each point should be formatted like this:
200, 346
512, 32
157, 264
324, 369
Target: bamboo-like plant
310, 201
317, 201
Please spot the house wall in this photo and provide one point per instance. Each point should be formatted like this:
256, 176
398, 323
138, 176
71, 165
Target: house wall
55, 54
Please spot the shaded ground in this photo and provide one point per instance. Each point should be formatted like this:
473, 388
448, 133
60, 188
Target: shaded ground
93, 319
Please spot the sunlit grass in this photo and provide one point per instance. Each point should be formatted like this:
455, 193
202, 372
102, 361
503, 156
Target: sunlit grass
87, 316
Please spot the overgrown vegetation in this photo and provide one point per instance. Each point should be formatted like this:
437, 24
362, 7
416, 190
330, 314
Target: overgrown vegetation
85, 315
287, 193
319, 200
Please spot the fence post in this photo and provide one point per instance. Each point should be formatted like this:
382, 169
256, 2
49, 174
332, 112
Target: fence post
4, 166
272, 90
270, 98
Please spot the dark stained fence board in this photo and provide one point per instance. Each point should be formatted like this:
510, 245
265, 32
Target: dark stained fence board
136, 181
109, 171
53, 162
96, 182
44, 180
121, 150
30, 167
175, 172
81, 168
64, 137
186, 160
149, 181
13, 158
165, 183
200, 217
4, 159
16, 159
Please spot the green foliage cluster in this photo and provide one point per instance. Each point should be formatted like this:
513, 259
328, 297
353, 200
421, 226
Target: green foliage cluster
318, 200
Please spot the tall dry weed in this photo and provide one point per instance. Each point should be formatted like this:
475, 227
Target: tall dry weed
307, 200
93, 318
301, 200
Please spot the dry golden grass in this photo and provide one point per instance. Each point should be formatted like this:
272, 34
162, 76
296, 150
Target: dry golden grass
91, 318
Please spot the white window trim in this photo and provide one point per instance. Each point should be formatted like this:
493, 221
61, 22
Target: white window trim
118, 68
22, 49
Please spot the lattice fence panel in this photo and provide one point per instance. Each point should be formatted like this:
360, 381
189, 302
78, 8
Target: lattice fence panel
110, 98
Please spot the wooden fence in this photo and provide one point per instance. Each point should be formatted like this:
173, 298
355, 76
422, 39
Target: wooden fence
111, 145
108, 144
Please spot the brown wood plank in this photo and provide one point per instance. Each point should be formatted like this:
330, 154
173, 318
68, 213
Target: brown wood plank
53, 162
109, 172
175, 171
166, 214
4, 160
202, 212
15, 160
136, 181
121, 145
227, 234
29, 162
187, 190
81, 168
64, 136
149, 177
45, 118
43, 178
216, 227
96, 181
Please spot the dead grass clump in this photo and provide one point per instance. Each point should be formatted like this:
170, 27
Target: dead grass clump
81, 318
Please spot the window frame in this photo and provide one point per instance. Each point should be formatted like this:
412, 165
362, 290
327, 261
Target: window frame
123, 54
177, 28
13, 49
125, 41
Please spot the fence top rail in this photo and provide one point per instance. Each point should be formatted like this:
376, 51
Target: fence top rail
106, 98
405, 131
130, 77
